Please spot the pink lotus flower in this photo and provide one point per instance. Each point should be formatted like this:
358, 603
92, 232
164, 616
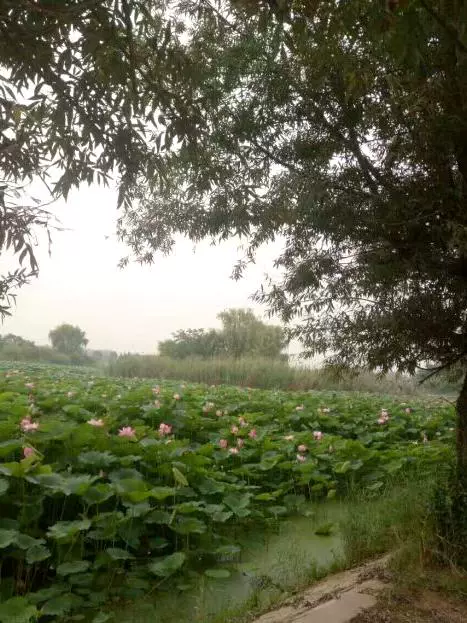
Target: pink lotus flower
289, 437
32, 426
252, 434
29, 386
219, 413
127, 431
233, 450
156, 390
299, 408
177, 397
317, 435
302, 448
70, 394
27, 452
383, 419
301, 458
99, 423
384, 413
27, 426
165, 429
234, 430
242, 422
240, 442
223, 443
408, 410
157, 404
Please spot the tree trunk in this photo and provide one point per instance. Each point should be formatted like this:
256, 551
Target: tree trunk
461, 407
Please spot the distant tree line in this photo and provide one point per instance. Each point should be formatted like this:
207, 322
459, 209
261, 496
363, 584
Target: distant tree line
68, 346
242, 335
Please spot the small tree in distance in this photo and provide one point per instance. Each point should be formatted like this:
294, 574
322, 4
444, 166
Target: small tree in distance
68, 339
245, 334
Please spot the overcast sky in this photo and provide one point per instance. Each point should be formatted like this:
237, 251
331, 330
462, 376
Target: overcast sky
127, 309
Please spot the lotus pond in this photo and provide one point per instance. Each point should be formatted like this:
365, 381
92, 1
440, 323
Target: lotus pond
112, 490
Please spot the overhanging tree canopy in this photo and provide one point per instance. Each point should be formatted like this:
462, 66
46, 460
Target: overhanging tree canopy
88, 93
342, 127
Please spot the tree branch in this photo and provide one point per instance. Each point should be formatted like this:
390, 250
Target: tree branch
450, 363
277, 159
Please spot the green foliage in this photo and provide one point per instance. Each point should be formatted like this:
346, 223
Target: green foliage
68, 339
218, 574
91, 515
242, 335
17, 610
168, 565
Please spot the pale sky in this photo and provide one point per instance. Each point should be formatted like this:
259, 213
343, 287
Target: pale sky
127, 309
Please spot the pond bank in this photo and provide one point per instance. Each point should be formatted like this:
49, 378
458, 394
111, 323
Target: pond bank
270, 567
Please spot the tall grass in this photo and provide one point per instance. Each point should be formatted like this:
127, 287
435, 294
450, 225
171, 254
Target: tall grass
256, 372
374, 525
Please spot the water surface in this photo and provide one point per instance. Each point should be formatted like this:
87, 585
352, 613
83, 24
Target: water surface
270, 564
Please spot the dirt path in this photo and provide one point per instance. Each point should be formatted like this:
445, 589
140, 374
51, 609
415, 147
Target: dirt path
366, 595
337, 599
419, 607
